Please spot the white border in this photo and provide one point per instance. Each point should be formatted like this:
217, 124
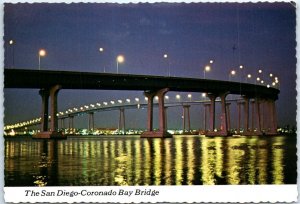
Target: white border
228, 193
219, 193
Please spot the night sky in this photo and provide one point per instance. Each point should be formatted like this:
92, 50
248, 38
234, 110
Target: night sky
258, 36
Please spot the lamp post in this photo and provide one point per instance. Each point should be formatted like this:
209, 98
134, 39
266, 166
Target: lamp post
241, 68
207, 68
12, 45
42, 53
167, 58
101, 50
120, 59
248, 77
232, 73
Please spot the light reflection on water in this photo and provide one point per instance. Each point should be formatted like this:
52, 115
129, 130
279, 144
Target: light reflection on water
130, 160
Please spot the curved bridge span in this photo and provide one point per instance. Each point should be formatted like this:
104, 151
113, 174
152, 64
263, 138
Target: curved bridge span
37, 79
50, 82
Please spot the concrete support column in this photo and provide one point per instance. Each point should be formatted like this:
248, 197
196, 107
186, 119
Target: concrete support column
224, 123
53, 96
150, 97
71, 123
91, 121
161, 111
206, 109
44, 93
186, 117
166, 118
262, 115
62, 123
121, 124
239, 117
252, 115
246, 114
273, 118
212, 98
228, 116
257, 107
161, 108
53, 133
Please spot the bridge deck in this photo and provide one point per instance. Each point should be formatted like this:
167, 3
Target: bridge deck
25, 78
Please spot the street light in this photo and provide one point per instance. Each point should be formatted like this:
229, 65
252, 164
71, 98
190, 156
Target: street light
101, 50
166, 57
12, 44
206, 69
248, 77
120, 59
42, 53
232, 73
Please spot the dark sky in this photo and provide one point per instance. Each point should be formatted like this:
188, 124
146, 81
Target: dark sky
191, 34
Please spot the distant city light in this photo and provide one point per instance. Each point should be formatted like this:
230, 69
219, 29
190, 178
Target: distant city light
137, 99
128, 100
260, 71
120, 101
203, 94
11, 42
257, 79
249, 76
101, 49
177, 96
156, 98
241, 66
167, 97
211, 61
232, 72
189, 95
165, 56
271, 75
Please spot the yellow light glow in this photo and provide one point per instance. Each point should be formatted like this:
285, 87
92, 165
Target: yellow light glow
207, 68
42, 52
232, 72
120, 59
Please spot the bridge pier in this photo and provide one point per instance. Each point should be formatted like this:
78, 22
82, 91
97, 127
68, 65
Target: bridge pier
91, 121
162, 132
186, 118
224, 128
273, 116
121, 124
228, 117
206, 107
71, 124
53, 132
44, 93
246, 117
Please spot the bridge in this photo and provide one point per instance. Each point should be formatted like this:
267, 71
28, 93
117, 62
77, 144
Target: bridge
50, 82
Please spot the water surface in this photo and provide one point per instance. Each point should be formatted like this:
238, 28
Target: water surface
130, 160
